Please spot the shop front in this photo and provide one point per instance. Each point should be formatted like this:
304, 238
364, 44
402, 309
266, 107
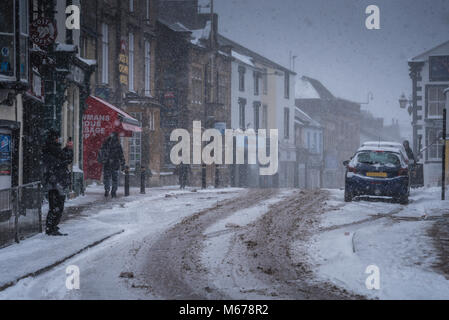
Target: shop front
100, 119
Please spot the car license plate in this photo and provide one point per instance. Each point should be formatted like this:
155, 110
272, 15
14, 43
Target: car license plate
377, 174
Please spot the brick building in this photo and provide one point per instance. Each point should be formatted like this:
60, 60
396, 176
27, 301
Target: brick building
121, 37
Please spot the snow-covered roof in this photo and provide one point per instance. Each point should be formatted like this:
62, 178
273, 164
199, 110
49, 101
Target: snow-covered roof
64, 47
309, 88
201, 34
89, 62
377, 148
303, 118
305, 90
245, 59
383, 143
223, 41
423, 56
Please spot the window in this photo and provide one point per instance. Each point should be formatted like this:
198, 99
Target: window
315, 143
309, 144
147, 11
256, 83
435, 101
151, 121
241, 78
221, 87
265, 81
135, 145
197, 83
23, 39
242, 103
287, 85
147, 69
131, 5
105, 54
256, 107
131, 62
286, 123
434, 145
265, 117
7, 41
207, 83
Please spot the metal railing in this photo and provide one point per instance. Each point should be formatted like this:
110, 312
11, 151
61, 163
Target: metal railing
20, 212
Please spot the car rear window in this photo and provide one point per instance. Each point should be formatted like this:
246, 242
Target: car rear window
378, 157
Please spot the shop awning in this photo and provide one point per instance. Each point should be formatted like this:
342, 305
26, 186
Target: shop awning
122, 122
100, 119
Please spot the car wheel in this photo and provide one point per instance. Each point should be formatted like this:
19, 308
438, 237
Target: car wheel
348, 196
403, 199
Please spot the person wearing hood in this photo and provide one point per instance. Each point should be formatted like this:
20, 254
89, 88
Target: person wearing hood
56, 179
111, 157
408, 150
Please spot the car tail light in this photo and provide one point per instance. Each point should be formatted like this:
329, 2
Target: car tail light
403, 172
352, 169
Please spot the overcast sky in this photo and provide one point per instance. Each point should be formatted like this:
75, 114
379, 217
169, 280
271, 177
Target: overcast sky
333, 45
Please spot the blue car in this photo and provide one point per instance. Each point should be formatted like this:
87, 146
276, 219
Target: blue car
377, 171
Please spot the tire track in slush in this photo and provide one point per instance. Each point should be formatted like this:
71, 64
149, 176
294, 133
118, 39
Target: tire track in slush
174, 268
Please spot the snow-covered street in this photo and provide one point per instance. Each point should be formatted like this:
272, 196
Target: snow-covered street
236, 244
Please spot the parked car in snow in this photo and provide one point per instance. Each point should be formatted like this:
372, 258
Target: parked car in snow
388, 144
377, 171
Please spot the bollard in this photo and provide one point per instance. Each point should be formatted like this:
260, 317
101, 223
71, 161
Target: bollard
142, 180
203, 176
126, 181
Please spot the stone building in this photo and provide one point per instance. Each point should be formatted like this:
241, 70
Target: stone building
193, 82
121, 37
429, 73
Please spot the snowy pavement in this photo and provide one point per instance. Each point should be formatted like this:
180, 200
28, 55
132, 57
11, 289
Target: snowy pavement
236, 244
397, 239
128, 222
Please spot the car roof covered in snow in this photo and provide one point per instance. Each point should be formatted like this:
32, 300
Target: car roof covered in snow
382, 143
377, 148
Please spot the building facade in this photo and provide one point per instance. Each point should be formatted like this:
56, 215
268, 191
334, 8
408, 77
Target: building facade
340, 120
121, 37
309, 151
262, 97
193, 85
430, 77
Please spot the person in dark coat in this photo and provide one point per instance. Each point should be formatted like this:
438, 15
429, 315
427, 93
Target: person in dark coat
111, 156
183, 174
409, 150
56, 179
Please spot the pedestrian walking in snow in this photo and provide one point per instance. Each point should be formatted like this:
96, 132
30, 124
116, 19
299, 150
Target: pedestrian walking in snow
112, 159
183, 174
56, 179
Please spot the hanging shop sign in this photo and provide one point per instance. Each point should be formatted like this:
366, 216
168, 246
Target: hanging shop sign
43, 32
123, 64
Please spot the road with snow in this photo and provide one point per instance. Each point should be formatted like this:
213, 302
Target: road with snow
237, 244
